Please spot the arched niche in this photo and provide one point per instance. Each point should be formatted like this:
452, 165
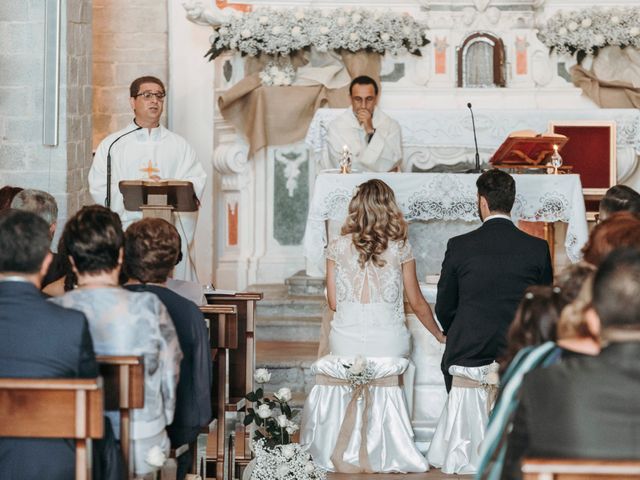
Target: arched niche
481, 61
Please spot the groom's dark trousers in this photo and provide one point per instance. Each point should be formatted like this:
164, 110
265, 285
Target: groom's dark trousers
483, 277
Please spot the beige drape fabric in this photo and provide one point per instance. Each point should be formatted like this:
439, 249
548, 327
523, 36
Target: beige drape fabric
606, 94
281, 115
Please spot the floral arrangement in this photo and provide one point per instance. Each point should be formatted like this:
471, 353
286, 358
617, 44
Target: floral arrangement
276, 456
287, 462
360, 372
283, 31
584, 32
275, 74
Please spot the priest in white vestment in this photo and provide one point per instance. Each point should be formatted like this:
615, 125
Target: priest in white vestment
149, 153
373, 138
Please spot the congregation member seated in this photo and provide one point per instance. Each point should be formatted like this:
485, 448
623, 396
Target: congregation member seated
152, 248
619, 198
45, 206
7, 194
586, 407
619, 230
124, 323
41, 340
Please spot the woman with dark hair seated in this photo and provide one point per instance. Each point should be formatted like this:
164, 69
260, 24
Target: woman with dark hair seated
619, 198
124, 323
152, 248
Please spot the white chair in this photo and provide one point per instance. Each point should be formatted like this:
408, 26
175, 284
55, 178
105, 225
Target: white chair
462, 425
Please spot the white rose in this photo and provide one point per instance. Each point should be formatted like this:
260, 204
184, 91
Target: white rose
324, 30
562, 31
586, 23
263, 20
406, 30
354, 36
277, 30
262, 375
279, 78
273, 71
282, 470
573, 26
283, 395
282, 421
615, 20
309, 468
299, 15
264, 411
342, 21
296, 31
359, 364
155, 456
288, 451
599, 39
634, 31
245, 33
356, 18
292, 427
223, 30
385, 37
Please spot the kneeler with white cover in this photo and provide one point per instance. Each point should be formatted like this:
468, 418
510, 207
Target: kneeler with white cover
462, 425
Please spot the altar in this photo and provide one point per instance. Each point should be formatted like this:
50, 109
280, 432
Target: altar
445, 198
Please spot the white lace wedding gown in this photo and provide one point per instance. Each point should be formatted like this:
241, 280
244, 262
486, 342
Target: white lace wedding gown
370, 322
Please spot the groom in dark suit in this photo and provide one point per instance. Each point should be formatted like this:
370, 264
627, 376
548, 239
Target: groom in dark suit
484, 274
38, 339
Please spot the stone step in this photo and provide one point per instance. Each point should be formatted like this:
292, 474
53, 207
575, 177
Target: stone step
288, 328
289, 364
302, 284
278, 303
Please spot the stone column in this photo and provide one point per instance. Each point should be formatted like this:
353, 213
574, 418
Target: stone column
24, 160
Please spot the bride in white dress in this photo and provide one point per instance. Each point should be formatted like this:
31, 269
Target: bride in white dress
368, 267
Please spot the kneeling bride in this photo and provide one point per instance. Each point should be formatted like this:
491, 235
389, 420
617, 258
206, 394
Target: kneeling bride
355, 418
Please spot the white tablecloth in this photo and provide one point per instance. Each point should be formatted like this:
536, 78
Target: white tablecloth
445, 196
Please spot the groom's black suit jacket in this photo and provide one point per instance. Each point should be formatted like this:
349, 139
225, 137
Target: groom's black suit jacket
484, 274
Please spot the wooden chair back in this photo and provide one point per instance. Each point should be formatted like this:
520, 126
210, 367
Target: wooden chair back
54, 408
123, 391
580, 469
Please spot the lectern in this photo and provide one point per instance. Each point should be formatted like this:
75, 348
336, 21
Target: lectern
159, 199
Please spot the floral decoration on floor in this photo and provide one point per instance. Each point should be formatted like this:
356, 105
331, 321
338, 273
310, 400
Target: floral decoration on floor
276, 456
584, 32
284, 31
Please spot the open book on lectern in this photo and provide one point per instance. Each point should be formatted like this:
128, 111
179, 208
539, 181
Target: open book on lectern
178, 194
526, 148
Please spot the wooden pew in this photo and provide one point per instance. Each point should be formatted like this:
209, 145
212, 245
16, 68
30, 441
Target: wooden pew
242, 361
123, 391
580, 469
222, 324
54, 408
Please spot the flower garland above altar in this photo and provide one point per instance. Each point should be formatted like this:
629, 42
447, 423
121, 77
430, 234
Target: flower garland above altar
284, 31
586, 31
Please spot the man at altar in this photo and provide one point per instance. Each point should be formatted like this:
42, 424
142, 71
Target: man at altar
373, 139
146, 150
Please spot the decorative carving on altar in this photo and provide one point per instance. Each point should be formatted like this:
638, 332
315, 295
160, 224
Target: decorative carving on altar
481, 61
232, 161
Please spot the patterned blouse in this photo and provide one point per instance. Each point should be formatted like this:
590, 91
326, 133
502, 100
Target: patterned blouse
135, 323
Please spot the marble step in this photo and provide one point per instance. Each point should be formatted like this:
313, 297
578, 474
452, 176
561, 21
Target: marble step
302, 284
288, 328
289, 364
277, 302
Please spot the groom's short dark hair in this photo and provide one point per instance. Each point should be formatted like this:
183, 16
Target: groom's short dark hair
498, 188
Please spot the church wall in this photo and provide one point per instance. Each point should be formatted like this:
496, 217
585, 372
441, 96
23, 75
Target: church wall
24, 160
130, 40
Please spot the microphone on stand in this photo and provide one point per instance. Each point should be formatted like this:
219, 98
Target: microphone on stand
107, 200
476, 169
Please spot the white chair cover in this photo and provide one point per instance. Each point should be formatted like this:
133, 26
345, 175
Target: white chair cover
460, 431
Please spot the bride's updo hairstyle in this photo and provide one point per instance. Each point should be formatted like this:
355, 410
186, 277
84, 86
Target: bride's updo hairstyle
373, 220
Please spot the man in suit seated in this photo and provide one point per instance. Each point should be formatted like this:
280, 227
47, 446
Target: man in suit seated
587, 407
152, 248
37, 340
484, 275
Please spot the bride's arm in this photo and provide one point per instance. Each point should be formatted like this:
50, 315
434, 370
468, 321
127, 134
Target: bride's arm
331, 284
418, 304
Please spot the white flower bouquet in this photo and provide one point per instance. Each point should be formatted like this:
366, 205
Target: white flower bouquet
359, 372
584, 32
283, 31
286, 462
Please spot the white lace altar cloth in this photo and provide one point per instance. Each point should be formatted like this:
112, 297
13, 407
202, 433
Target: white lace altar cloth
449, 196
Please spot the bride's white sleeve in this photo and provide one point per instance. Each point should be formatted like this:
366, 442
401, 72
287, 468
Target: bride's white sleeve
405, 252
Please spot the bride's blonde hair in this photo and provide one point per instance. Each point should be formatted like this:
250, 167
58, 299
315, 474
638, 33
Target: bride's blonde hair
373, 220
